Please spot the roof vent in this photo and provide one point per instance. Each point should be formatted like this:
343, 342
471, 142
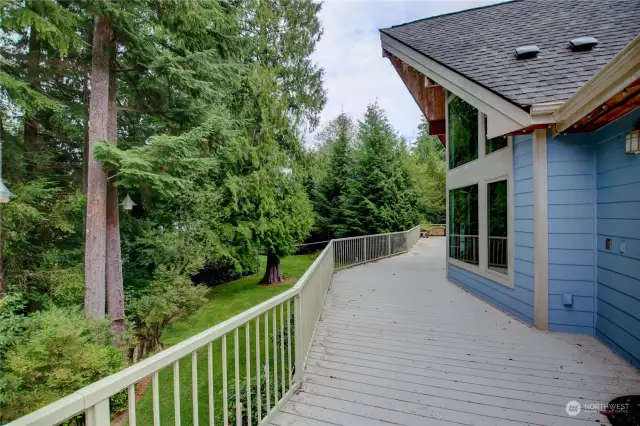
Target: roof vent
581, 44
526, 52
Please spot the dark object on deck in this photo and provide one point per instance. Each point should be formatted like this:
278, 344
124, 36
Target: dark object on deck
624, 411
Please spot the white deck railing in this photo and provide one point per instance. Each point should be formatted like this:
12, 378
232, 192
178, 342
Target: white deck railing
308, 299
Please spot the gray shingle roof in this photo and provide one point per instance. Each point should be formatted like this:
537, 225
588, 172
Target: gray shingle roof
480, 44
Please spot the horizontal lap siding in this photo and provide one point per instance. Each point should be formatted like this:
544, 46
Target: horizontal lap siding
517, 301
618, 219
571, 194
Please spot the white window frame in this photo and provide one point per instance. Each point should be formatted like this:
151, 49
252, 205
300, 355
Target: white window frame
487, 168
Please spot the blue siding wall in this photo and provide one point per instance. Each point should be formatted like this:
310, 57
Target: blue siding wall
517, 301
571, 195
618, 219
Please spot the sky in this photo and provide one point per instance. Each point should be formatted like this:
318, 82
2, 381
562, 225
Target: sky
356, 74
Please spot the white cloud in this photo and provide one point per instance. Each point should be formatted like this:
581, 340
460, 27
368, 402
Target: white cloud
356, 74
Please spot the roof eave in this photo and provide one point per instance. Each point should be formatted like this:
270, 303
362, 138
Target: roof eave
622, 71
504, 116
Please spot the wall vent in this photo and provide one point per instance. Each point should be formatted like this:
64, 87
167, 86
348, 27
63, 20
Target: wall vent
526, 52
582, 44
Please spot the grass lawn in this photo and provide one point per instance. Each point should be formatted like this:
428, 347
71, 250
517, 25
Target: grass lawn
225, 301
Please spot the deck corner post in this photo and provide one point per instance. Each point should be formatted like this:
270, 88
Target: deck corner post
540, 231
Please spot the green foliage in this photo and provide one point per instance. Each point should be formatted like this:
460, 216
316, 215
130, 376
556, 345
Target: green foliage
12, 321
367, 180
59, 353
167, 299
427, 169
331, 192
380, 197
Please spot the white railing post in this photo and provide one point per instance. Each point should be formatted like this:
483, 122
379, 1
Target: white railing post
299, 362
364, 244
98, 415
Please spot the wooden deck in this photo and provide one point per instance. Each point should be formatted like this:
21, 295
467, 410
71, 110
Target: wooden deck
398, 344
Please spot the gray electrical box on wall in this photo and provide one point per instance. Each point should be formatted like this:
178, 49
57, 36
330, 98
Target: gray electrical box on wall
567, 299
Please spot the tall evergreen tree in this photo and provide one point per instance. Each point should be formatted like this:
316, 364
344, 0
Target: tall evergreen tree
380, 197
428, 169
331, 192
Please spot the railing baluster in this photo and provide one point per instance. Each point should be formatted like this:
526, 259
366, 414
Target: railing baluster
155, 393
98, 414
289, 339
176, 392
210, 380
258, 372
236, 362
225, 398
275, 359
247, 350
194, 385
266, 360
132, 405
299, 336
284, 382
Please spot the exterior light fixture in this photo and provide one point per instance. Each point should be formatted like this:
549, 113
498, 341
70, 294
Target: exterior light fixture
127, 203
5, 194
633, 142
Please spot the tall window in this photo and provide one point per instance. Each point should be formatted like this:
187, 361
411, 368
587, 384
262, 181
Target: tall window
463, 224
496, 143
497, 205
463, 133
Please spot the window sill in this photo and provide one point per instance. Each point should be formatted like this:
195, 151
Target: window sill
497, 277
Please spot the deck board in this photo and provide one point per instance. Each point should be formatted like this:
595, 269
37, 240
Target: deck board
398, 344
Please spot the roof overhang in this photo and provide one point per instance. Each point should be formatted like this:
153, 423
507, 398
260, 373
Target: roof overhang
615, 88
502, 116
612, 92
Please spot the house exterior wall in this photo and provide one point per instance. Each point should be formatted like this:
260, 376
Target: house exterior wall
618, 219
594, 195
571, 199
517, 301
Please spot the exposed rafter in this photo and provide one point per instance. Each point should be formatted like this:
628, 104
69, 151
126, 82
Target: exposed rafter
429, 96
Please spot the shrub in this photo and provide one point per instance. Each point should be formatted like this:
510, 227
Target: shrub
168, 298
12, 321
59, 352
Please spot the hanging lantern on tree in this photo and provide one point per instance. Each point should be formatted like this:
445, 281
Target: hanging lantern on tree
5, 194
127, 204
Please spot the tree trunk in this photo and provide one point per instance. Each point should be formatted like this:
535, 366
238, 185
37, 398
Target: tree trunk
95, 231
115, 285
86, 94
272, 275
30, 137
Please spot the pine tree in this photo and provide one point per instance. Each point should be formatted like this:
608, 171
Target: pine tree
368, 206
381, 195
331, 192
427, 169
